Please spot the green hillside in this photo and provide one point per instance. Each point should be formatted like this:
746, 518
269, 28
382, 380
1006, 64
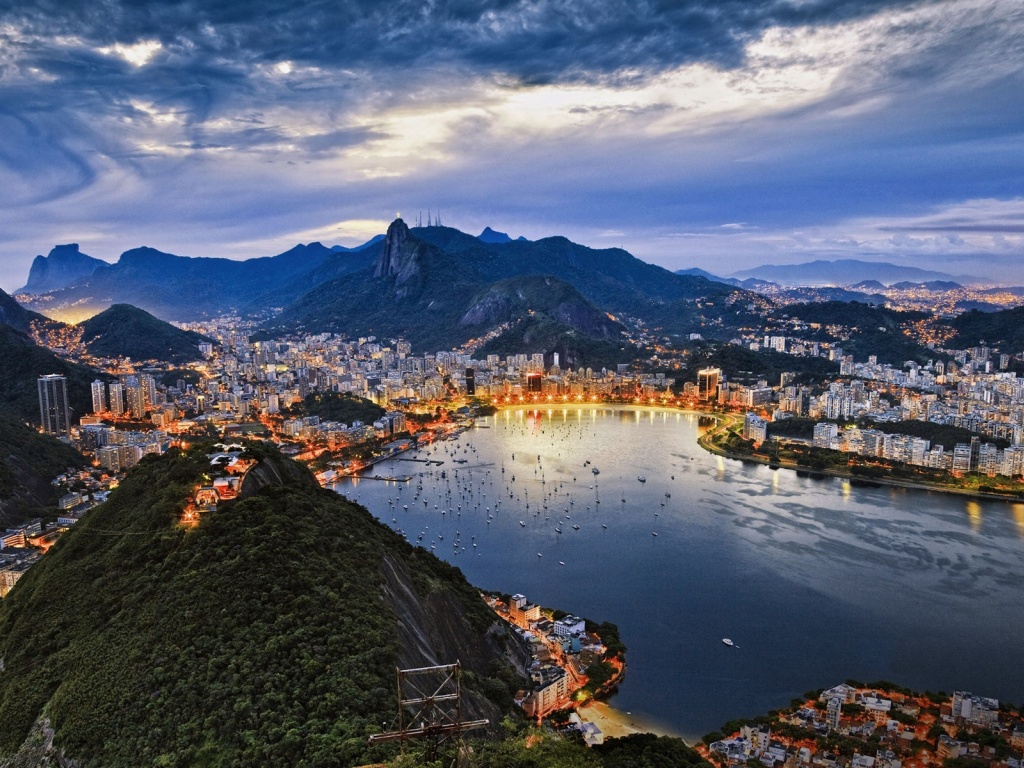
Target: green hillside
267, 635
22, 362
427, 285
28, 462
1003, 330
127, 331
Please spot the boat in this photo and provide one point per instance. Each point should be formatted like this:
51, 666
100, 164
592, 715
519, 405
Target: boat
522, 523
575, 527
641, 478
730, 643
561, 562
596, 471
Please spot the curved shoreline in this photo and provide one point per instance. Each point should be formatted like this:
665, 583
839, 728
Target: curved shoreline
725, 419
705, 442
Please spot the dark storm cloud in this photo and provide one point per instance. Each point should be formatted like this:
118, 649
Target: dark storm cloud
531, 41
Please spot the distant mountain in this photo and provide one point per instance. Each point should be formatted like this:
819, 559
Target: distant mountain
372, 241
266, 635
827, 293
869, 285
698, 272
64, 266
846, 272
183, 288
425, 282
126, 331
490, 236
932, 285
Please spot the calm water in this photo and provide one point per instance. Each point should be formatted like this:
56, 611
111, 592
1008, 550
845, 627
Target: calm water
815, 581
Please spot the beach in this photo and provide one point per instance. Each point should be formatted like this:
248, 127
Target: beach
616, 723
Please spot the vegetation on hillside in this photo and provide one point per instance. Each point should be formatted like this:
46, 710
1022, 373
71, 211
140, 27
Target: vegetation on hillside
261, 637
28, 462
746, 366
22, 363
540, 333
127, 331
1003, 330
337, 406
863, 330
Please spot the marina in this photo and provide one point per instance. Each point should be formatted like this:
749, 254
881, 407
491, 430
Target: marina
816, 579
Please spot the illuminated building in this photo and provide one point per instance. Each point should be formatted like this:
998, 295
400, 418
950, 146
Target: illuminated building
99, 396
116, 398
534, 382
53, 405
470, 382
707, 382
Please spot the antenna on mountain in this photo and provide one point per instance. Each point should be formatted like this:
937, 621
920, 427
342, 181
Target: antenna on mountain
430, 708
428, 218
439, 218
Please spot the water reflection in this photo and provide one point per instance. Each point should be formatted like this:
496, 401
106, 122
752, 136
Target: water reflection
974, 515
817, 580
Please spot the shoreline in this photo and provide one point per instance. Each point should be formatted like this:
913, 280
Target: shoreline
616, 723
704, 441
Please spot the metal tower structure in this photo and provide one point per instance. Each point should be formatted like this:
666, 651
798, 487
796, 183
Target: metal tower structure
430, 708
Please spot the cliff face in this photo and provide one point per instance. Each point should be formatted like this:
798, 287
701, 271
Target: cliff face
64, 265
400, 257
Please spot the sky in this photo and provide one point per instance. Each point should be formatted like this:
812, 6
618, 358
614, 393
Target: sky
720, 134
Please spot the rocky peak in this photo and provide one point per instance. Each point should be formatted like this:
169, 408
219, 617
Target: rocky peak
64, 265
398, 258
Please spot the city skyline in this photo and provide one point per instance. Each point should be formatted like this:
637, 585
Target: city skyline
750, 133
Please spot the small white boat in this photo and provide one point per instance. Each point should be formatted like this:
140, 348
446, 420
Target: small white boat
642, 479
730, 643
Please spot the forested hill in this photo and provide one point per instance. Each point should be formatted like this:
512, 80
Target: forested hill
267, 635
22, 362
28, 462
127, 331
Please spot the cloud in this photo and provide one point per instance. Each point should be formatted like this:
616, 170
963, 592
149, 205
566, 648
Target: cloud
221, 128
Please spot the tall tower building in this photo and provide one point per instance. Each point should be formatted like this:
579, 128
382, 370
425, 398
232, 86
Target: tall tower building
99, 396
707, 382
54, 412
135, 396
116, 399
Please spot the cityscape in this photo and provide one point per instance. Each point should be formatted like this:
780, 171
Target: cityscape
517, 384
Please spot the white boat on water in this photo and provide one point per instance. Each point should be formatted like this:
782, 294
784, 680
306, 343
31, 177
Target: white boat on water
729, 642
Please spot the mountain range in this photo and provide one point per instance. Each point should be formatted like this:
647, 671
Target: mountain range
425, 284
848, 272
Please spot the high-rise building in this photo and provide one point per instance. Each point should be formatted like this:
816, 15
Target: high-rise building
470, 382
707, 382
99, 396
116, 389
149, 396
135, 397
534, 382
53, 405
